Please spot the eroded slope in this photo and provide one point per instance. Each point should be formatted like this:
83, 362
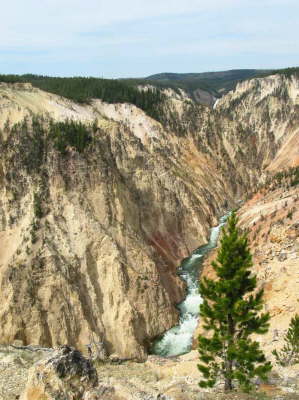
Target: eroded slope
90, 241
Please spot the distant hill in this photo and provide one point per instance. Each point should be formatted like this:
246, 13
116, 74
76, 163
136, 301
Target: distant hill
204, 87
214, 83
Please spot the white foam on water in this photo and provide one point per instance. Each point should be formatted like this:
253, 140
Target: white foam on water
193, 256
215, 104
191, 303
178, 340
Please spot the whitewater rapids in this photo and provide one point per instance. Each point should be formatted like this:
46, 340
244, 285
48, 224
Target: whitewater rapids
178, 340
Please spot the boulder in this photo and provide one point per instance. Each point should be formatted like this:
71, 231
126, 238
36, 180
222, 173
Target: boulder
282, 256
65, 375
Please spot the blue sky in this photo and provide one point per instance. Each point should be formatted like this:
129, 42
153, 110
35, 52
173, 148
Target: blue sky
131, 38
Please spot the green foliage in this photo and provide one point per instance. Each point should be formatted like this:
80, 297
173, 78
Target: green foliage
289, 177
69, 133
33, 231
32, 140
289, 354
27, 139
82, 90
216, 83
231, 313
295, 177
288, 72
37, 206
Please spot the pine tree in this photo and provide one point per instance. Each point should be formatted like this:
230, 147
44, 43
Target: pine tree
231, 314
289, 354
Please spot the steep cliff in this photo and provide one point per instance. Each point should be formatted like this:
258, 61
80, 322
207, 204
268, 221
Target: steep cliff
90, 239
267, 111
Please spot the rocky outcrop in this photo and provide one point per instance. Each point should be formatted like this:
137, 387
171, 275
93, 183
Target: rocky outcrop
65, 375
272, 218
156, 379
265, 111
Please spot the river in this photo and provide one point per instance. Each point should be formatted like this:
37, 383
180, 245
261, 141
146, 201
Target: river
178, 340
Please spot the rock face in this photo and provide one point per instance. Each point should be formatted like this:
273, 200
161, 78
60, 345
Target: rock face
65, 375
271, 216
98, 263
267, 111
90, 241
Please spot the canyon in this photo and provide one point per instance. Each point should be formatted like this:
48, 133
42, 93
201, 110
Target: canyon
90, 241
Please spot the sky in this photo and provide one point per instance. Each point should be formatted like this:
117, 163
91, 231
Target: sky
136, 38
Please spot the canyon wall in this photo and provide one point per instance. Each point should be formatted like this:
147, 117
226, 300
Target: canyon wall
267, 109
90, 241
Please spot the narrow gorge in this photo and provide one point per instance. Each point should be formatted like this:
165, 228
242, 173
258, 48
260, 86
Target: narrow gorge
178, 340
92, 232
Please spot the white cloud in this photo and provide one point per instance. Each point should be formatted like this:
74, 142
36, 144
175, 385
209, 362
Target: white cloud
34, 22
94, 31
